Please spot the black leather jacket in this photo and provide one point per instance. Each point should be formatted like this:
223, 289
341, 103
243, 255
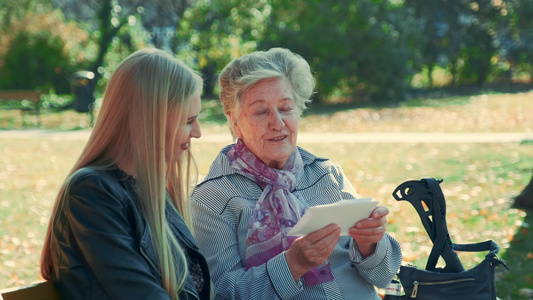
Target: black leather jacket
102, 247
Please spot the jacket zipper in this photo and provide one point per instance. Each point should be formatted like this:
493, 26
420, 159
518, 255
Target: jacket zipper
417, 283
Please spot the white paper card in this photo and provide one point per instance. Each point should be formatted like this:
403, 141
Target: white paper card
344, 213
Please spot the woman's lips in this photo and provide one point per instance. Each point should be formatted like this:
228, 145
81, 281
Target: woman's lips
184, 146
277, 139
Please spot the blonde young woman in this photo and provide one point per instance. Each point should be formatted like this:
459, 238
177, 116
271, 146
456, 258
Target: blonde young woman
120, 225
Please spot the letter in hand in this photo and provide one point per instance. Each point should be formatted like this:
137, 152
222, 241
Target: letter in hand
368, 232
311, 250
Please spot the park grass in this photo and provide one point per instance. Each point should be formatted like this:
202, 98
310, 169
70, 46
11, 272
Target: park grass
480, 180
481, 113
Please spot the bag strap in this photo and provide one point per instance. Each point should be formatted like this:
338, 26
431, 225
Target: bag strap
489, 245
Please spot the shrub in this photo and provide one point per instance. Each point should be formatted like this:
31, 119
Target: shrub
35, 60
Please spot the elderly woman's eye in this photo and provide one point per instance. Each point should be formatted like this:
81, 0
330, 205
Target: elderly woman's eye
287, 108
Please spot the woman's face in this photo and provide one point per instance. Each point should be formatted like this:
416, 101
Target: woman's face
268, 122
188, 131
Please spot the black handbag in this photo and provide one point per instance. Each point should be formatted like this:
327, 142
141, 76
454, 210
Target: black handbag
451, 281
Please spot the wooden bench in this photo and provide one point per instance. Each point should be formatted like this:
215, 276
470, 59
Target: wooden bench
24, 100
45, 290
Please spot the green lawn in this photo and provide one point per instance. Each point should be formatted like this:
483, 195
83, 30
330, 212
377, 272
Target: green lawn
480, 180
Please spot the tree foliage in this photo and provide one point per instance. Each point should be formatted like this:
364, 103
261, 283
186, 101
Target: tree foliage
12, 11
520, 45
35, 60
132, 23
367, 50
38, 49
362, 48
458, 35
217, 31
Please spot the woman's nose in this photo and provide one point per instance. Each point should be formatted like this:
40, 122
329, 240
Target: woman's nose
276, 121
196, 132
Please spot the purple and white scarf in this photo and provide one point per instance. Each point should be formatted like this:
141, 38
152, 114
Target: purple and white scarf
277, 210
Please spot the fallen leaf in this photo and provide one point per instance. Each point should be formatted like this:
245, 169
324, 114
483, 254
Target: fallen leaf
409, 258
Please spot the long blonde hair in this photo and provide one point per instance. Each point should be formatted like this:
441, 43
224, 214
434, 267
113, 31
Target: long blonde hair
146, 87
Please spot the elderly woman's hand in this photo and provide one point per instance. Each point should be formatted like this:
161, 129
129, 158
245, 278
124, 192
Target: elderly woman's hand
311, 250
368, 232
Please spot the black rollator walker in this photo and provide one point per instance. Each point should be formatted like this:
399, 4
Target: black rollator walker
451, 281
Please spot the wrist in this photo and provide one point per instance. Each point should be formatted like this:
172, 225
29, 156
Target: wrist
367, 249
296, 270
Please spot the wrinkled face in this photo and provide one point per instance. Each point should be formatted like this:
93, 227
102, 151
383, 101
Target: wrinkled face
187, 131
268, 122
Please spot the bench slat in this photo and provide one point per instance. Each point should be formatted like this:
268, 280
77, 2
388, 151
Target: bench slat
20, 95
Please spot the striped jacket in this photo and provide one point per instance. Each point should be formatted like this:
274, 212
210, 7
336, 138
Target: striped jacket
222, 205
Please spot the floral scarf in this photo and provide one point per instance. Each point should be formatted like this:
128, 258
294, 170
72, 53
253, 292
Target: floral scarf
277, 209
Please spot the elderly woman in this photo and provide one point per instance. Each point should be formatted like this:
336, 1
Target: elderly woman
258, 188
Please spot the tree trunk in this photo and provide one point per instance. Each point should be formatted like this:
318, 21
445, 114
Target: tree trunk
210, 80
430, 74
107, 33
525, 199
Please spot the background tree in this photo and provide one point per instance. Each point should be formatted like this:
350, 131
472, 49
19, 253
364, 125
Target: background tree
434, 19
131, 23
35, 60
458, 35
480, 20
525, 199
520, 52
13, 11
519, 44
38, 49
363, 49
217, 31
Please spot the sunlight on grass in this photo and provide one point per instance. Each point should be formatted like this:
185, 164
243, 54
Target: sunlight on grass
30, 174
480, 180
484, 113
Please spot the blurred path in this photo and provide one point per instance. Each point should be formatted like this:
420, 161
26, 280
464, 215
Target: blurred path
310, 137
